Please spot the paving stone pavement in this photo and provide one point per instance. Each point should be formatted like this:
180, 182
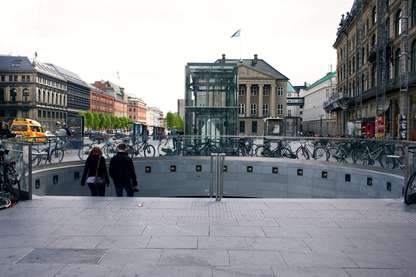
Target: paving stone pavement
83, 236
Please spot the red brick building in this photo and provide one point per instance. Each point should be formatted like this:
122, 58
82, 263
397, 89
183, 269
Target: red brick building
100, 101
136, 109
120, 100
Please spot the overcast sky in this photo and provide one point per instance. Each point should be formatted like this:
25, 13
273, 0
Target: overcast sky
150, 42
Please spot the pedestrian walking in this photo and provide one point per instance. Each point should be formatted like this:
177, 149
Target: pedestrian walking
122, 172
95, 173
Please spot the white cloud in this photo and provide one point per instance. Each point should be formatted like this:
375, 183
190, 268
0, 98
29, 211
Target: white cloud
149, 42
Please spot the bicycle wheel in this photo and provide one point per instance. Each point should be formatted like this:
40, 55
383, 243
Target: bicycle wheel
320, 153
35, 157
262, 152
83, 152
57, 155
149, 151
5, 203
410, 191
302, 153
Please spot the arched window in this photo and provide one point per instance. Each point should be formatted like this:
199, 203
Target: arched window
398, 23
413, 12
413, 56
44, 96
1, 95
13, 94
397, 64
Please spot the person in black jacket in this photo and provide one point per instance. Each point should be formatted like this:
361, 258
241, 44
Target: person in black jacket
122, 172
90, 174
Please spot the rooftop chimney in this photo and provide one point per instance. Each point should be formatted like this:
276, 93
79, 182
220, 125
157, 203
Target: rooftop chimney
223, 58
255, 59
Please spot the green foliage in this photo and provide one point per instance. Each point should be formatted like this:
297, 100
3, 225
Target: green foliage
174, 121
102, 121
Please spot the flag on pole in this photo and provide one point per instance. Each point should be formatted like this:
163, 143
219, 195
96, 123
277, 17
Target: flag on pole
236, 34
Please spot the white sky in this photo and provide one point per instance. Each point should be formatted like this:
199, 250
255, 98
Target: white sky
149, 42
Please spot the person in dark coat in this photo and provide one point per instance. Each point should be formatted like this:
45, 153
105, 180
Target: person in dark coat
90, 173
122, 172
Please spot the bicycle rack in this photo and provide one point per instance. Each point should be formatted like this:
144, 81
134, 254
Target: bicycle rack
217, 176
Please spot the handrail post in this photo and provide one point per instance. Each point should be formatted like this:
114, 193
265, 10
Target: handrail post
212, 171
221, 173
218, 178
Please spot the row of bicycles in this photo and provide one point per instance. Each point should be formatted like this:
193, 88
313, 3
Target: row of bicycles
373, 153
10, 190
109, 147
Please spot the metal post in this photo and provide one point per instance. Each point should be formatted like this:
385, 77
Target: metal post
212, 171
221, 173
30, 187
218, 179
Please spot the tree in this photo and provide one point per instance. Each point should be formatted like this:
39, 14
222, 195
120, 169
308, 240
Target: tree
170, 120
101, 121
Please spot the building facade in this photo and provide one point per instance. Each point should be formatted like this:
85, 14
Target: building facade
315, 119
78, 92
376, 71
181, 108
262, 97
101, 101
117, 92
155, 121
32, 90
137, 110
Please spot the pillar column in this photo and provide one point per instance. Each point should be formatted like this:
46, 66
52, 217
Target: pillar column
273, 105
248, 101
261, 100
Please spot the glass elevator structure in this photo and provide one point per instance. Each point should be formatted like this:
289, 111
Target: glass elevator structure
211, 107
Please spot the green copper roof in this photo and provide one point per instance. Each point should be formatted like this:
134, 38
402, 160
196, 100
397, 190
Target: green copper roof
290, 88
327, 77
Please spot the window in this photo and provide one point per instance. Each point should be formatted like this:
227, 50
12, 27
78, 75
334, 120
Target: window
25, 95
254, 127
397, 64
15, 78
242, 109
23, 78
1, 95
266, 90
242, 126
3, 78
13, 94
279, 91
413, 55
39, 113
289, 113
265, 110
388, 27
398, 23
253, 109
279, 109
242, 90
413, 12
254, 90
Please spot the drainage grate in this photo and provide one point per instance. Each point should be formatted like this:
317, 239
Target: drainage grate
63, 256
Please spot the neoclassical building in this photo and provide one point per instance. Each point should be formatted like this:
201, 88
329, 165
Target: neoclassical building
32, 90
262, 97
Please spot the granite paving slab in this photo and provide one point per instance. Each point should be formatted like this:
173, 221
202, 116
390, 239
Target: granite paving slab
84, 236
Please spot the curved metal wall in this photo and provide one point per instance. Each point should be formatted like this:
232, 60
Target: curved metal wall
253, 177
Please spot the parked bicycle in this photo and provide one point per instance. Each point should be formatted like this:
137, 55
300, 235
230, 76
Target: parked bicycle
53, 153
10, 191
